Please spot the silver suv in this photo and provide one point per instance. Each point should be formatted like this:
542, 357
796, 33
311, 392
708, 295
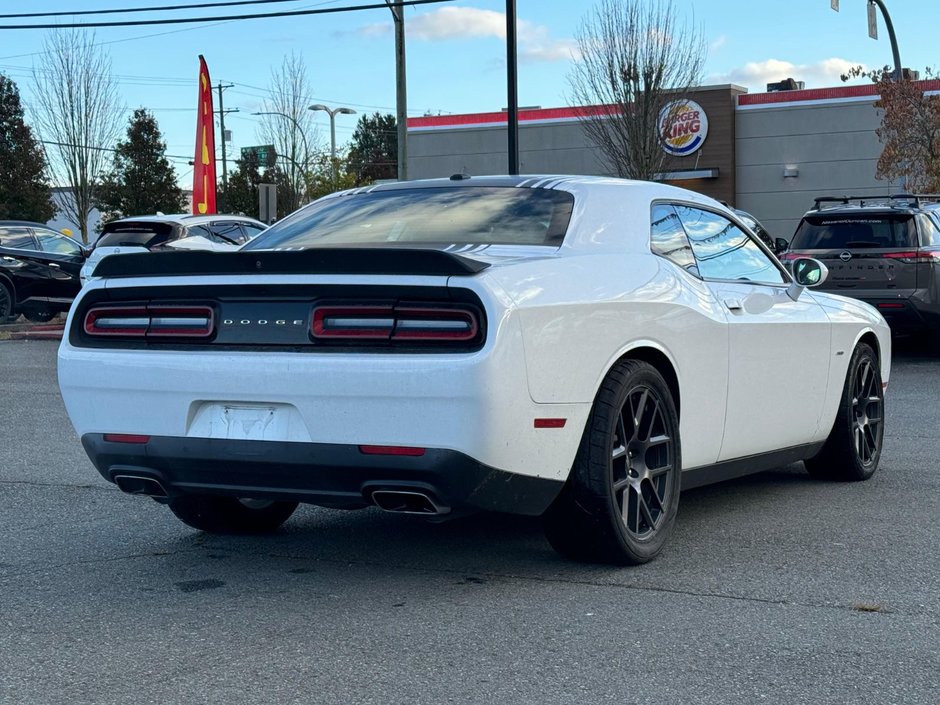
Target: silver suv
882, 250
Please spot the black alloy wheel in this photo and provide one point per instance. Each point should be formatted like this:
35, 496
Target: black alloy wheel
39, 315
621, 500
853, 449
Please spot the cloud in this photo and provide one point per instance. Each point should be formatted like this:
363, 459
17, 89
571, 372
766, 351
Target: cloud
717, 43
757, 74
451, 23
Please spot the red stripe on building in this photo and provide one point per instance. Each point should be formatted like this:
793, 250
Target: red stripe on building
823, 93
501, 116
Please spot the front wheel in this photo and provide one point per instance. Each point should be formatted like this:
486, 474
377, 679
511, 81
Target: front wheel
6, 304
231, 515
621, 500
853, 448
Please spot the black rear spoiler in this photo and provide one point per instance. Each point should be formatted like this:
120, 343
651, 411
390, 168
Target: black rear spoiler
322, 260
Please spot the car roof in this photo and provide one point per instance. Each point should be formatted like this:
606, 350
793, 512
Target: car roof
187, 219
28, 224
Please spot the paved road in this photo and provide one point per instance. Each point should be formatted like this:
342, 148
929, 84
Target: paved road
774, 589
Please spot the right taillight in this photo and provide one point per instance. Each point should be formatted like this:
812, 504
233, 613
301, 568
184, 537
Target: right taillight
404, 323
915, 256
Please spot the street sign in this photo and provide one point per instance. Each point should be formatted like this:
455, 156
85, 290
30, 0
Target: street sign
872, 21
264, 153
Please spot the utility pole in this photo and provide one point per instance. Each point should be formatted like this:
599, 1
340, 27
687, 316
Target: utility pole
222, 111
401, 89
873, 31
511, 78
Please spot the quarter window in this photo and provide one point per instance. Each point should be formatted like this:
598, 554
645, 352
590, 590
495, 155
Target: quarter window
724, 251
668, 238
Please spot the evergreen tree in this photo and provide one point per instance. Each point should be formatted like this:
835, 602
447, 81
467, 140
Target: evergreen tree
373, 152
241, 196
141, 181
24, 190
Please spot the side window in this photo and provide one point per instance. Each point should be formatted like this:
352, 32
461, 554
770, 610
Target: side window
17, 239
668, 238
929, 230
57, 244
199, 231
253, 230
228, 233
724, 251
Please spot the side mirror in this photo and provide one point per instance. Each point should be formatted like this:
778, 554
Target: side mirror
809, 272
780, 245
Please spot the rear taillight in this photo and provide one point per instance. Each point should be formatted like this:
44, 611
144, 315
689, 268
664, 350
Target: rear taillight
789, 256
411, 323
150, 321
914, 256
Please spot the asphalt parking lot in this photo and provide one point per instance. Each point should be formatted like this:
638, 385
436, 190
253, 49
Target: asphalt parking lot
774, 589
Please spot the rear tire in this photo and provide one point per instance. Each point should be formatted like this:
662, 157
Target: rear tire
853, 448
6, 304
620, 502
231, 515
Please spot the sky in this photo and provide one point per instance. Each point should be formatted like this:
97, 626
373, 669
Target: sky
456, 55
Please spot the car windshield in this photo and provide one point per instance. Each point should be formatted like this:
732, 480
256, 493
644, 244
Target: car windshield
831, 232
424, 216
134, 234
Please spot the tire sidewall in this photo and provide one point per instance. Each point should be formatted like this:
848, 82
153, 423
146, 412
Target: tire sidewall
846, 414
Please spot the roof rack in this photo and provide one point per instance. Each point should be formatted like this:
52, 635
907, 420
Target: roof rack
897, 200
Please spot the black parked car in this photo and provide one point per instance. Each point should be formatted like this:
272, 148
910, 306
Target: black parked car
38, 270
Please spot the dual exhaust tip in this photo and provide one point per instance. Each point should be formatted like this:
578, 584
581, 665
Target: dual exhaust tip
410, 501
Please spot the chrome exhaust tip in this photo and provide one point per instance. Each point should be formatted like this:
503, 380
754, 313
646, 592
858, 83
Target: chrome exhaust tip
137, 484
408, 502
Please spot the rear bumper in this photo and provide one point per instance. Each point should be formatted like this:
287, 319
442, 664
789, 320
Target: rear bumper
331, 475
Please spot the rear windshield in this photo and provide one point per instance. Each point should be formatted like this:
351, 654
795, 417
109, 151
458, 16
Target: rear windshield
465, 216
829, 232
138, 234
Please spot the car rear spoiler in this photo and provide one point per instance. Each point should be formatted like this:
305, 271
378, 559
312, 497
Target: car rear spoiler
323, 260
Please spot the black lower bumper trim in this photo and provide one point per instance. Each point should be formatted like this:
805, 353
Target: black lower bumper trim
328, 475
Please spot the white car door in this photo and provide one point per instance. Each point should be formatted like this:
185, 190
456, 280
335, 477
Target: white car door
779, 348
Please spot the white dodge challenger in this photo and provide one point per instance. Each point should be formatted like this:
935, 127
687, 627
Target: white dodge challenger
580, 348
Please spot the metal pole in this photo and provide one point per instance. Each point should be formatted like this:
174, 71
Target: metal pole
224, 168
513, 103
894, 40
401, 89
332, 114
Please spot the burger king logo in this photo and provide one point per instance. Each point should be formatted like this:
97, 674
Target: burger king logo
683, 127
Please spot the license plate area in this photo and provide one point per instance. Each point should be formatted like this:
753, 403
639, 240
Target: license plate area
247, 421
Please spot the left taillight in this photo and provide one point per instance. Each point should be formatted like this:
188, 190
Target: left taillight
150, 321
406, 323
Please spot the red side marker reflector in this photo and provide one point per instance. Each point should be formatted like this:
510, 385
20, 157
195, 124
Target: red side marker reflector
550, 423
126, 438
391, 450
890, 305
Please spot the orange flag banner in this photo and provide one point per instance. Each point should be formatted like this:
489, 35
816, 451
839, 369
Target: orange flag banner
204, 163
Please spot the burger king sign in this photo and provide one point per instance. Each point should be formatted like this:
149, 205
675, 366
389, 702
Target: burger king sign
683, 127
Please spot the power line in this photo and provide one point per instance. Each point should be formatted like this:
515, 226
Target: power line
252, 16
127, 10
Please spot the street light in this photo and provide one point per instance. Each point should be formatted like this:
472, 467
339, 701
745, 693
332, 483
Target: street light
332, 113
303, 137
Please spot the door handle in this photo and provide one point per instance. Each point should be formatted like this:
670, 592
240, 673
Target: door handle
55, 266
734, 305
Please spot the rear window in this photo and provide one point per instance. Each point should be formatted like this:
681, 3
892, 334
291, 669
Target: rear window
831, 232
134, 234
464, 216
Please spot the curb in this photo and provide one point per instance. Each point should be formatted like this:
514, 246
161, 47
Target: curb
38, 333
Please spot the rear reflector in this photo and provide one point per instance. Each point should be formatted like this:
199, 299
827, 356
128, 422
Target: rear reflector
550, 423
404, 323
391, 450
890, 305
126, 438
150, 321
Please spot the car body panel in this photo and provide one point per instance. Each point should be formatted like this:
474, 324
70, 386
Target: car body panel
42, 279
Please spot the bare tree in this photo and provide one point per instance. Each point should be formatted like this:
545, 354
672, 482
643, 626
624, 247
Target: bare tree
79, 115
636, 58
289, 126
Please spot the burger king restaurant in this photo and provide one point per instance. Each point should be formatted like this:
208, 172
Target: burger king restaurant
766, 153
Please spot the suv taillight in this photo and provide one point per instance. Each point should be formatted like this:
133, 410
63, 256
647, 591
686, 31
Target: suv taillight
418, 323
915, 256
150, 321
